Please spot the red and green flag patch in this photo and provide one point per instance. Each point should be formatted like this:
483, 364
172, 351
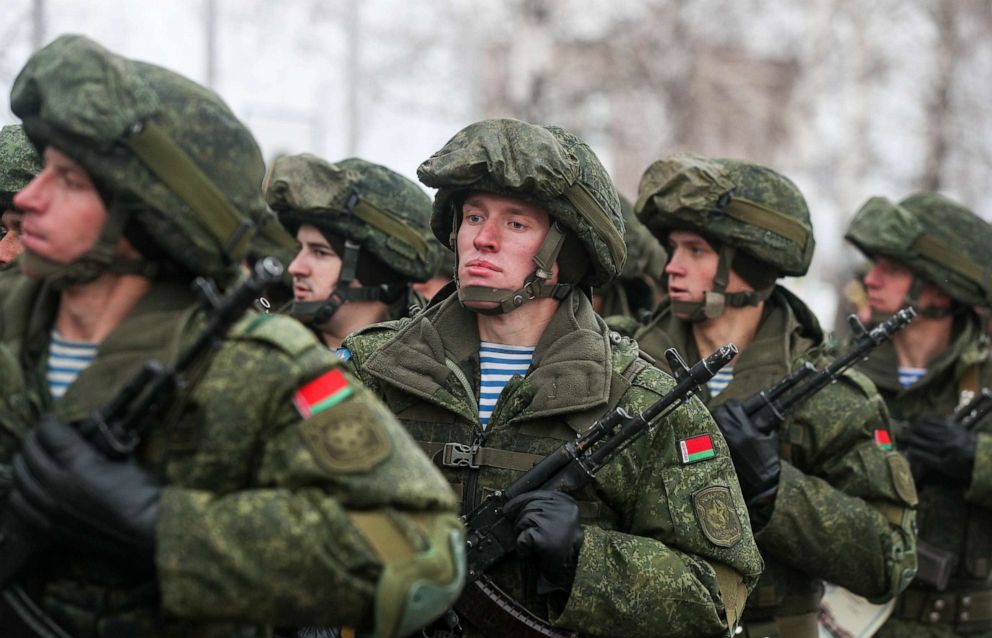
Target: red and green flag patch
322, 393
883, 440
697, 448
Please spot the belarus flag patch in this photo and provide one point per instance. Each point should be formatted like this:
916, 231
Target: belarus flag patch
882, 440
697, 448
322, 393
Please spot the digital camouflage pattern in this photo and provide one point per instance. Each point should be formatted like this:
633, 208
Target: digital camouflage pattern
951, 518
545, 165
754, 208
844, 508
932, 235
261, 522
650, 563
304, 189
120, 95
19, 163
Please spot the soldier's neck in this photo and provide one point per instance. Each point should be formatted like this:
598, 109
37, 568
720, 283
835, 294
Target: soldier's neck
89, 312
736, 325
922, 341
522, 326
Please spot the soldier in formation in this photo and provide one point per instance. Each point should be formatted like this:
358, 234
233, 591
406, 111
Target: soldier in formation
511, 362
828, 499
936, 255
364, 238
270, 489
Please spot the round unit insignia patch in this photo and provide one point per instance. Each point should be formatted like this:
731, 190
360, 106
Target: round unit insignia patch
344, 440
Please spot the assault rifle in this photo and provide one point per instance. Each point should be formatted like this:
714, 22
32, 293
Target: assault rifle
116, 429
491, 535
768, 409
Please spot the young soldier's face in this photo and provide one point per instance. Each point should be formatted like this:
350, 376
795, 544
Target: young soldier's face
316, 268
10, 236
888, 282
691, 266
497, 240
63, 212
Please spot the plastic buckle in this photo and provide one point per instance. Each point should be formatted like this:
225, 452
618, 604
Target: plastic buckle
459, 455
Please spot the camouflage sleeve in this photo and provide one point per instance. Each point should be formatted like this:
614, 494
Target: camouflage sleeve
345, 522
686, 558
980, 490
845, 505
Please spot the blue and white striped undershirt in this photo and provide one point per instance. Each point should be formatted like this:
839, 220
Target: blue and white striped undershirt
66, 360
498, 364
909, 376
720, 380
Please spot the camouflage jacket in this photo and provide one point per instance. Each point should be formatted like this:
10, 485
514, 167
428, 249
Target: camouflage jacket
653, 562
266, 517
951, 518
843, 512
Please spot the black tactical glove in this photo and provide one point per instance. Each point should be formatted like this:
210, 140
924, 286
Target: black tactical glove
64, 487
942, 445
548, 529
755, 453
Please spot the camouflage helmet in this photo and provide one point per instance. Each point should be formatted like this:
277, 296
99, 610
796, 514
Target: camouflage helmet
751, 207
645, 254
373, 206
19, 163
544, 165
934, 236
164, 151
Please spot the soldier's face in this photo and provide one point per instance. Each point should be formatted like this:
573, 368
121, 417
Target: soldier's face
692, 265
10, 236
63, 212
497, 240
316, 268
888, 282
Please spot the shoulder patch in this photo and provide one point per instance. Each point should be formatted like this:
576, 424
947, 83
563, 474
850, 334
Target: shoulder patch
714, 507
696, 448
322, 393
882, 439
347, 439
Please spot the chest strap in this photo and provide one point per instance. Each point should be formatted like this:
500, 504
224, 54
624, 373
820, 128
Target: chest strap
461, 455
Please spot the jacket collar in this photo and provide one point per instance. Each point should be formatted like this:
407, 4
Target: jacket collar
570, 373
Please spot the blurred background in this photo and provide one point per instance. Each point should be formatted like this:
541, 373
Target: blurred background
849, 98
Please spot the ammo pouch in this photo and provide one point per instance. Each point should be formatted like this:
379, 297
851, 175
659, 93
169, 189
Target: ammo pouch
934, 565
967, 611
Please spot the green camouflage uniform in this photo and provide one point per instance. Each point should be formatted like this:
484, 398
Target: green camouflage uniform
843, 510
653, 562
951, 518
267, 517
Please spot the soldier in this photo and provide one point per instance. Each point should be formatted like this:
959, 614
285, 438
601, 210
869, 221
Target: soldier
19, 162
933, 253
510, 361
363, 236
827, 502
630, 298
251, 501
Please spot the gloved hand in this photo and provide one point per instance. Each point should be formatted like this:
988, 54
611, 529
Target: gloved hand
755, 453
547, 526
64, 487
942, 445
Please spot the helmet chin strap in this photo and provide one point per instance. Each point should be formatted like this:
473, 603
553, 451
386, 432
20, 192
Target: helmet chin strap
717, 300
100, 259
318, 313
535, 285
